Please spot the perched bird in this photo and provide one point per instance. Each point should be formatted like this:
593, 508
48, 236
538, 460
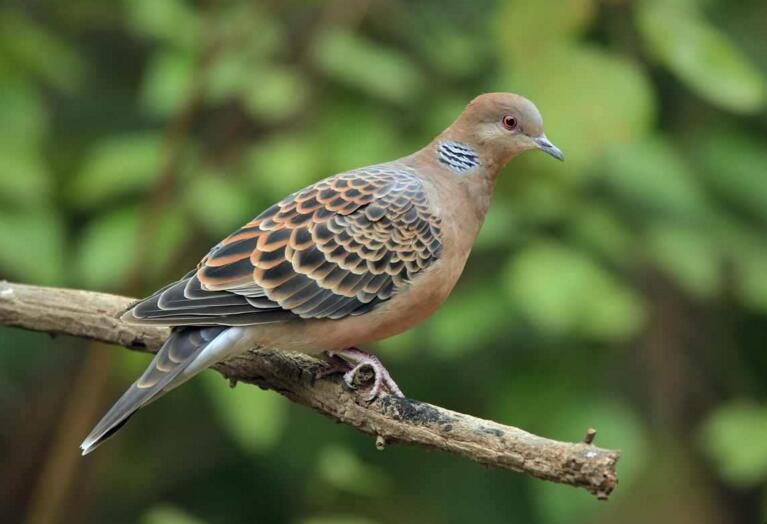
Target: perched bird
357, 257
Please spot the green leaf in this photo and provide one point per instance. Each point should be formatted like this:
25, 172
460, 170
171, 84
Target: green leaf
24, 177
32, 49
539, 24
372, 68
652, 174
168, 233
116, 167
168, 81
400, 346
539, 199
468, 321
248, 29
591, 100
274, 93
218, 202
733, 165
227, 76
735, 438
341, 469
700, 55
750, 284
253, 418
171, 20
338, 519
353, 135
500, 226
283, 164
600, 229
746, 255
690, 256
32, 246
459, 54
167, 514
24, 122
562, 291
108, 249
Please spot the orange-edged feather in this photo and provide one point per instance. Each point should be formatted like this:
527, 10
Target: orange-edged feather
336, 248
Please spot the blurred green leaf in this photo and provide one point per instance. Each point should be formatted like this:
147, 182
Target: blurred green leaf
116, 167
341, 469
169, 231
540, 199
651, 173
455, 53
733, 164
24, 177
688, 255
33, 49
591, 100
174, 21
601, 229
374, 69
32, 246
734, 437
352, 136
399, 347
745, 256
498, 228
283, 164
24, 121
108, 249
274, 93
337, 519
700, 55
750, 282
468, 321
523, 26
219, 202
562, 291
253, 418
166, 514
248, 29
168, 81
227, 76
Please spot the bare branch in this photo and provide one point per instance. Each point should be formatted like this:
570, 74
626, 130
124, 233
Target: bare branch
94, 315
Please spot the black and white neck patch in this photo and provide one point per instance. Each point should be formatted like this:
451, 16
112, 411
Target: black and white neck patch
458, 157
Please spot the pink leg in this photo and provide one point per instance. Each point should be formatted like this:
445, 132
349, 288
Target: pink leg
358, 359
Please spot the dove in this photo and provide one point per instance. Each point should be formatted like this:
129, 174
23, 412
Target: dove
355, 258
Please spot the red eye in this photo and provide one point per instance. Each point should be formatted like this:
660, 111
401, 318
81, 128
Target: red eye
509, 122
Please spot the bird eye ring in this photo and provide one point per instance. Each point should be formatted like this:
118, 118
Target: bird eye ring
509, 122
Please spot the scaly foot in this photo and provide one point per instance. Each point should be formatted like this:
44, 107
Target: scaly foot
357, 359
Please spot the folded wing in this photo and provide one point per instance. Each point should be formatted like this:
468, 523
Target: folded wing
336, 248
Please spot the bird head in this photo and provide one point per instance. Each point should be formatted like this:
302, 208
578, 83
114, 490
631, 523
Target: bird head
501, 126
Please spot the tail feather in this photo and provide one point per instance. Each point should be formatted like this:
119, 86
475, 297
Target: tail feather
165, 372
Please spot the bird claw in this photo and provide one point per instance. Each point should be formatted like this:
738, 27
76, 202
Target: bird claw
358, 360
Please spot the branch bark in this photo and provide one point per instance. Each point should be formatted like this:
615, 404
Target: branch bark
94, 316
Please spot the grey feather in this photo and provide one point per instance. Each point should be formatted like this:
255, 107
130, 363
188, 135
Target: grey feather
162, 375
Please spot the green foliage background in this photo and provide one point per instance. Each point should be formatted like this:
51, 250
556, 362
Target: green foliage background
625, 289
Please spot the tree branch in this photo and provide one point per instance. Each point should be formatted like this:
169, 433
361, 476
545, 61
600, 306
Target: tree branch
94, 315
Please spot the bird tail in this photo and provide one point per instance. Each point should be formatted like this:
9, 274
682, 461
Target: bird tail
186, 352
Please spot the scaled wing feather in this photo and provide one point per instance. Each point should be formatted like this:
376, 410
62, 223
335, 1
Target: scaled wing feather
336, 248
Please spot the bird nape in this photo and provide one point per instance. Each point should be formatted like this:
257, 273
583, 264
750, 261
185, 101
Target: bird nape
357, 257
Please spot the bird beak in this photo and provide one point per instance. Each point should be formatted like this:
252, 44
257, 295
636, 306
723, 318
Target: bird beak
547, 147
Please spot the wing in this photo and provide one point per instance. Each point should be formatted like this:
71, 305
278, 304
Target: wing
336, 248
